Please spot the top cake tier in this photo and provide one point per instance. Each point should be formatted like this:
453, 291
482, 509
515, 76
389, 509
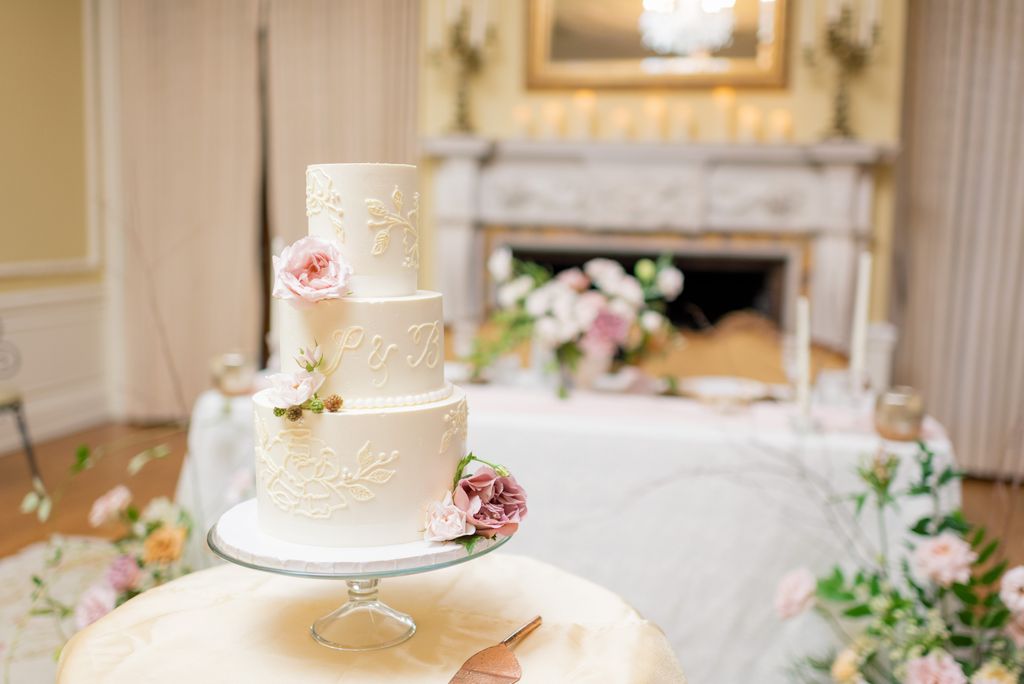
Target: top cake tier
372, 212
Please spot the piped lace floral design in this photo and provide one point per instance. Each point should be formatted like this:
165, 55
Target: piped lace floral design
322, 197
383, 220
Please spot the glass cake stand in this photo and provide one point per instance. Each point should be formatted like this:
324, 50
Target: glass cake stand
363, 622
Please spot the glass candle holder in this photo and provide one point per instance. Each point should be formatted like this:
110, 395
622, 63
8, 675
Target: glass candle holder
233, 374
899, 414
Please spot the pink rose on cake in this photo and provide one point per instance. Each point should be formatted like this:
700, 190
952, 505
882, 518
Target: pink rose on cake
446, 521
310, 270
294, 389
493, 504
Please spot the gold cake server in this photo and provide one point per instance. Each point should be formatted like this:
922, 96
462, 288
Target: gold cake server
496, 664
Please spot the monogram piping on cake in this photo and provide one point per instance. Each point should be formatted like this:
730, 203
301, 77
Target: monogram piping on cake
322, 197
429, 335
310, 479
379, 360
382, 220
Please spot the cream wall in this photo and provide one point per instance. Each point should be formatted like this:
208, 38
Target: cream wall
875, 103
43, 206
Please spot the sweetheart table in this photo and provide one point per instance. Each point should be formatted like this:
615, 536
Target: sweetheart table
690, 514
231, 624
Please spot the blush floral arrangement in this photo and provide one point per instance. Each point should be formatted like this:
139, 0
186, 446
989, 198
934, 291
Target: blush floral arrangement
945, 610
481, 505
587, 319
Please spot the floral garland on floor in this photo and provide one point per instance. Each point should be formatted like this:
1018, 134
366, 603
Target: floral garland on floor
946, 611
585, 317
487, 503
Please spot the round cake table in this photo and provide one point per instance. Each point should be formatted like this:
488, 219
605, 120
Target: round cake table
230, 624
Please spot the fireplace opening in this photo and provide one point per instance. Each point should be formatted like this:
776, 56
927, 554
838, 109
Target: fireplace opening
715, 286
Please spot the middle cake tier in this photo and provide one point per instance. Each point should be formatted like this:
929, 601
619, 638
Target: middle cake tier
377, 351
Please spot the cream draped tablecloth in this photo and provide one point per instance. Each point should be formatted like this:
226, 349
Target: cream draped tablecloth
230, 624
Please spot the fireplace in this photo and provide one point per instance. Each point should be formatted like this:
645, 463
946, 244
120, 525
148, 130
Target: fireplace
776, 219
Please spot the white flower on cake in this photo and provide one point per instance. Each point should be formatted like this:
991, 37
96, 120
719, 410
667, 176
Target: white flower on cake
310, 358
500, 264
294, 389
310, 270
445, 521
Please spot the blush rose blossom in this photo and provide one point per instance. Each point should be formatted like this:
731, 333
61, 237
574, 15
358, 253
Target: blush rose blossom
795, 593
445, 521
937, 667
1011, 589
670, 282
123, 573
294, 389
310, 270
110, 505
97, 601
574, 278
944, 560
493, 504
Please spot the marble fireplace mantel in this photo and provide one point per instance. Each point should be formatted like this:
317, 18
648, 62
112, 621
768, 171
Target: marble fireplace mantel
820, 192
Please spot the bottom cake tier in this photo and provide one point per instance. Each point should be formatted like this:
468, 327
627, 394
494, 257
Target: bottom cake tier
357, 477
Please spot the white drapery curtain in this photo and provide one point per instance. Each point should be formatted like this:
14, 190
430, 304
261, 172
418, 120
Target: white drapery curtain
342, 86
187, 276
961, 258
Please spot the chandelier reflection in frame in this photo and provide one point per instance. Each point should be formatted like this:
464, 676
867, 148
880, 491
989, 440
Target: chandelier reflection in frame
687, 27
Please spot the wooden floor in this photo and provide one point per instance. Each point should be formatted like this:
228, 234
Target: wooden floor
996, 506
70, 513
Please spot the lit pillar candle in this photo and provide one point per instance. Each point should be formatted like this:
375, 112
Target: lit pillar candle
620, 124
581, 117
725, 113
652, 126
523, 116
681, 123
859, 339
749, 124
552, 120
803, 357
780, 126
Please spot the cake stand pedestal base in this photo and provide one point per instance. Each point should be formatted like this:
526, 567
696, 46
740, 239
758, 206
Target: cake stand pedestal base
363, 623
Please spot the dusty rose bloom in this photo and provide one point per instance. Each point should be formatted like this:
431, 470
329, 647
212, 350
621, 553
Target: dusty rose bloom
493, 504
123, 573
97, 601
795, 593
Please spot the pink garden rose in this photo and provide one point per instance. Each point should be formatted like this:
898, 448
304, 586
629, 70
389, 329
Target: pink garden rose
294, 389
795, 593
110, 505
944, 559
445, 521
123, 573
493, 504
97, 601
605, 334
574, 278
309, 270
1011, 589
935, 668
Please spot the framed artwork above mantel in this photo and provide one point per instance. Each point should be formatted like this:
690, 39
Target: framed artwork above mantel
656, 43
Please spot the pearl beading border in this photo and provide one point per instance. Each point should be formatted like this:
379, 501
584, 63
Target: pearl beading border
401, 400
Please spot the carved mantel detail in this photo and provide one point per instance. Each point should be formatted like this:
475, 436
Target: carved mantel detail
822, 191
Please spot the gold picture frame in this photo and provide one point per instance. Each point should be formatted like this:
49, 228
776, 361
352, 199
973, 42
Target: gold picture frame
576, 63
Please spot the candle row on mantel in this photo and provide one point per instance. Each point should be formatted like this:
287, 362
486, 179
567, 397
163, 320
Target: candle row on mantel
653, 120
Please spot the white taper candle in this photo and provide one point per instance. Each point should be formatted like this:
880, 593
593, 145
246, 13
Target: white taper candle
859, 338
803, 356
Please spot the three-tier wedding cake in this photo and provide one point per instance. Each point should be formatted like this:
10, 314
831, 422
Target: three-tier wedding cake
361, 432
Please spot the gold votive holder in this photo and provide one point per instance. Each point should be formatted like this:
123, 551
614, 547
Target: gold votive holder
233, 374
899, 414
